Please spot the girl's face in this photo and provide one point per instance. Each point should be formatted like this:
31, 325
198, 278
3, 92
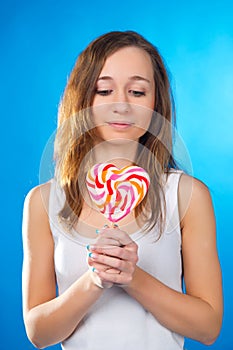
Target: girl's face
125, 95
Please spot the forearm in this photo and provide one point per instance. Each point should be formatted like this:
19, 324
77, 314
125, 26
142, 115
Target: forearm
181, 313
55, 320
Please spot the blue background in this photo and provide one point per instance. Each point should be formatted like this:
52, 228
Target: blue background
40, 41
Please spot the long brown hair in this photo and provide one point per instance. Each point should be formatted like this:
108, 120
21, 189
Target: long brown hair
75, 135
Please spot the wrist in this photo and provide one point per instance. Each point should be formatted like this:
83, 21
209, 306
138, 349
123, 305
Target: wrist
92, 285
134, 284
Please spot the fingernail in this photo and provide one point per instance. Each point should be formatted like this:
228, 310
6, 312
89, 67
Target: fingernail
97, 231
94, 269
92, 256
88, 247
105, 226
115, 226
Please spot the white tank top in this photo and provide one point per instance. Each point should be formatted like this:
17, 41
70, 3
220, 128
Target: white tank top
117, 321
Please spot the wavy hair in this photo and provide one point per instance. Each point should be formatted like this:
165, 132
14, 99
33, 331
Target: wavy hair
75, 134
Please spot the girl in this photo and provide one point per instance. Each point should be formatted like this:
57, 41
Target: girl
119, 287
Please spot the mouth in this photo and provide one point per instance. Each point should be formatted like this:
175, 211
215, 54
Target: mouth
120, 124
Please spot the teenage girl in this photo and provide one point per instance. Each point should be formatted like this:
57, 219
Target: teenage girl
86, 283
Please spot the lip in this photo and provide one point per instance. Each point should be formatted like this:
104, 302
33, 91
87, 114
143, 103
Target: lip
120, 124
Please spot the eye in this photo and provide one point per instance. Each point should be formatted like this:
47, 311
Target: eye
136, 93
103, 92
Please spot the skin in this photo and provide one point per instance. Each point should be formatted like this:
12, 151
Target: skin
197, 314
124, 97
123, 105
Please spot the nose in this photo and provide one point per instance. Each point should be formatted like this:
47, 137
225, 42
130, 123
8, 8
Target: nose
120, 103
120, 107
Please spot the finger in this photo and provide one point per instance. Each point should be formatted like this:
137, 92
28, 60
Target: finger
113, 262
99, 267
102, 229
128, 252
107, 226
94, 265
116, 252
107, 241
116, 234
111, 270
121, 279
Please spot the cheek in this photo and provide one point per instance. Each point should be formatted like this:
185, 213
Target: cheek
144, 117
145, 110
152, 103
151, 100
99, 113
95, 100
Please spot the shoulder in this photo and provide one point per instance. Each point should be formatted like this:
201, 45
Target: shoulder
38, 195
36, 203
193, 197
35, 223
192, 186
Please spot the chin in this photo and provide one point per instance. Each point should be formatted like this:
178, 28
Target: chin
119, 141
120, 135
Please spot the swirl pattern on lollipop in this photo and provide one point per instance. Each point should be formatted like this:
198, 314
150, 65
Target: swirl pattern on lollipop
116, 192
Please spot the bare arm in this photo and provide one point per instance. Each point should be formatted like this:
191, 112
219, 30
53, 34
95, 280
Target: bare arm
197, 314
48, 319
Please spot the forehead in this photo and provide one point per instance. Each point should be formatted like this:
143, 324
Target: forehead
129, 60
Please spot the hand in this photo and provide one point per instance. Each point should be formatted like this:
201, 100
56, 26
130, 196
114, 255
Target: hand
94, 267
113, 257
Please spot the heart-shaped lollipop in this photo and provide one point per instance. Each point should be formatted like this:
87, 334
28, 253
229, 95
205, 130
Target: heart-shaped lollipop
116, 192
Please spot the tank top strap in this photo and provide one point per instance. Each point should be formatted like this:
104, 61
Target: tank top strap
171, 199
56, 203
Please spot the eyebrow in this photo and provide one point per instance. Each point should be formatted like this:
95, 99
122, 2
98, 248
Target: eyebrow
133, 78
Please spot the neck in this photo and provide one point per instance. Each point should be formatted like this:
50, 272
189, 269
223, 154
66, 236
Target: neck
118, 152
